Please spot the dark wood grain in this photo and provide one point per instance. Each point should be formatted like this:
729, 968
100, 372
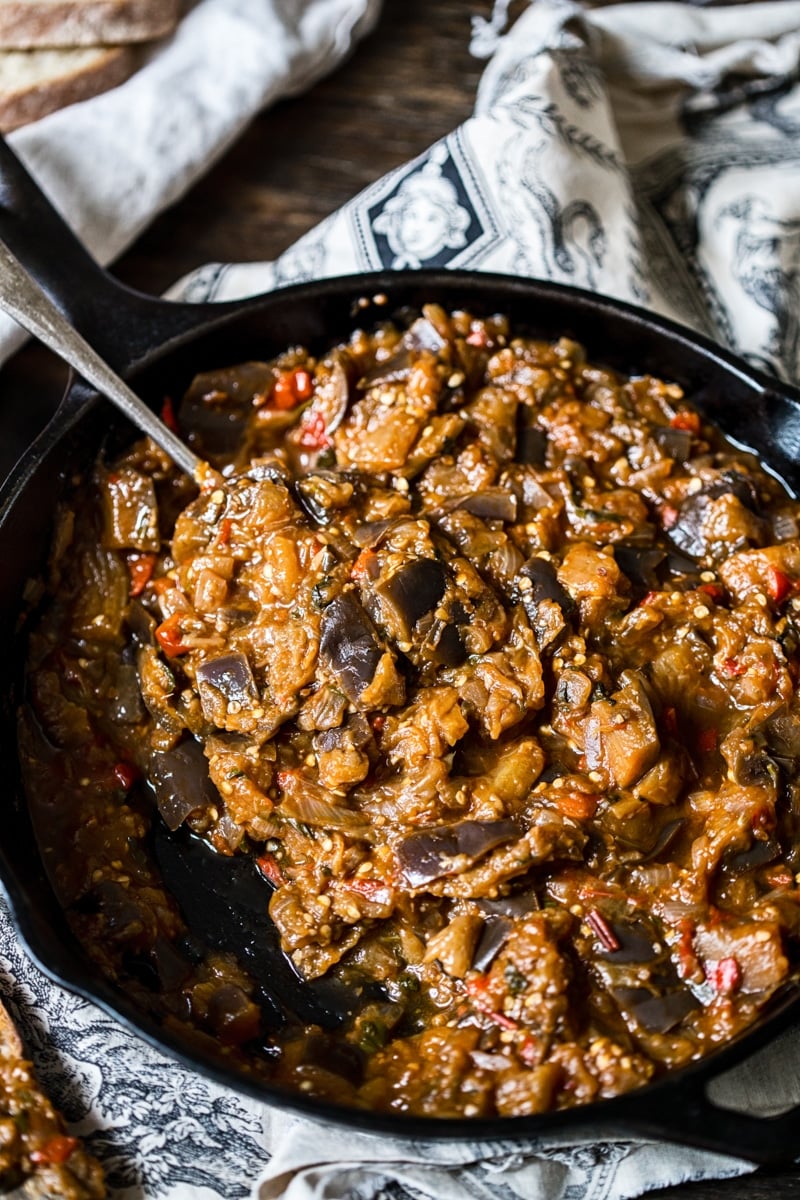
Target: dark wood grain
408, 84
411, 82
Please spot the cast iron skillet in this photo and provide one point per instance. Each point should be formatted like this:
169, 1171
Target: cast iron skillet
160, 346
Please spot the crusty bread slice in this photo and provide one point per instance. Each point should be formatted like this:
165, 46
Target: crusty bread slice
34, 83
25, 24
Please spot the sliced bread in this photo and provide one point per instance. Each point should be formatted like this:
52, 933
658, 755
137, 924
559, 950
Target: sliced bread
30, 23
34, 83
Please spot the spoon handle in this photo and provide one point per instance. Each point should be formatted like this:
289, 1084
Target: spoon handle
24, 300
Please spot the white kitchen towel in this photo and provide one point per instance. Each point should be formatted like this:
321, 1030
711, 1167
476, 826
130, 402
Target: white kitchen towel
649, 151
646, 151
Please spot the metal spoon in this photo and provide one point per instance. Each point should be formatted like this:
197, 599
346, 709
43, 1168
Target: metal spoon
223, 902
24, 300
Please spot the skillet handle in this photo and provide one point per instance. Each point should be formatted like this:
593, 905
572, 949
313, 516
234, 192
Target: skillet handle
120, 323
694, 1119
690, 1109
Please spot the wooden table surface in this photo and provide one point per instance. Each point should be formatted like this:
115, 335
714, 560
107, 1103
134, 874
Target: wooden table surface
411, 82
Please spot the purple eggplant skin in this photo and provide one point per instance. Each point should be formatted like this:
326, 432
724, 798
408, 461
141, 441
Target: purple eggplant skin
231, 676
687, 533
499, 917
495, 934
532, 446
544, 586
512, 907
658, 1013
677, 443
491, 504
428, 855
349, 644
414, 589
658, 1000
640, 565
182, 783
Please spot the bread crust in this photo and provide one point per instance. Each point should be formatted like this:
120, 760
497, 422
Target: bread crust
36, 98
25, 24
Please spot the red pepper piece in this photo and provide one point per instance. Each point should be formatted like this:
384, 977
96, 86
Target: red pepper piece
670, 720
140, 569
168, 415
361, 568
602, 930
313, 435
778, 585
125, 774
270, 868
502, 1020
169, 636
669, 515
56, 1151
686, 419
477, 986
477, 337
581, 806
649, 598
724, 976
530, 1052
732, 667
713, 590
303, 384
688, 966
376, 890
292, 388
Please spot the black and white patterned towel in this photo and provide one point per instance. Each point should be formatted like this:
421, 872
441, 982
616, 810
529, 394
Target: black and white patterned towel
646, 151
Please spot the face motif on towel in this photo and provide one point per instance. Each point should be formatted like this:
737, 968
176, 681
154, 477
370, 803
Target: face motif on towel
423, 217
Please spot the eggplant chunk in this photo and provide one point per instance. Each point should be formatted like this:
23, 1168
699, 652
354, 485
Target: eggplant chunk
349, 645
412, 591
130, 512
432, 853
224, 683
621, 737
182, 783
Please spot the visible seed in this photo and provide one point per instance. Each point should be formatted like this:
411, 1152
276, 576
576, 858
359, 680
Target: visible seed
701, 611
